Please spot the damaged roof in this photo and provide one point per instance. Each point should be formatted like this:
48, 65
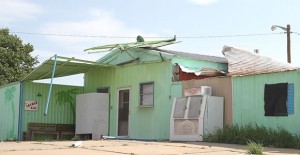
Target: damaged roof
193, 55
241, 62
141, 43
150, 47
202, 71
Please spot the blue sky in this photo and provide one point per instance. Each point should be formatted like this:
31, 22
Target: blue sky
155, 18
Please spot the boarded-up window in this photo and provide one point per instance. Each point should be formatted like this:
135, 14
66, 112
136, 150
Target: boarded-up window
276, 99
147, 94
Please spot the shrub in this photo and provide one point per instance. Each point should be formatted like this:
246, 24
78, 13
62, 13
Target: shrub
254, 148
235, 134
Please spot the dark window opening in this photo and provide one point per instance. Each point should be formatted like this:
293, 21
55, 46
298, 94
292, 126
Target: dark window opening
276, 99
103, 90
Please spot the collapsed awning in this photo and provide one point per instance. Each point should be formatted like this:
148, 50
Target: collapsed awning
64, 67
202, 71
181, 73
58, 66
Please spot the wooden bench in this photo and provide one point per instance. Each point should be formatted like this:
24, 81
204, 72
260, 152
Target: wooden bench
54, 129
65, 129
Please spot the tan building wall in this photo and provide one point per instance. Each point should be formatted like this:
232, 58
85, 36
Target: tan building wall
221, 86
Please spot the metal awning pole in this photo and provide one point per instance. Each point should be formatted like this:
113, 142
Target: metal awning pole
50, 89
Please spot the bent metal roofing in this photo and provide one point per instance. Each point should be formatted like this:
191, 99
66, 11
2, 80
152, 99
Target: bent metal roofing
241, 63
192, 55
152, 46
64, 67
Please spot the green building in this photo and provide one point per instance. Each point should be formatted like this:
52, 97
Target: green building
257, 99
141, 80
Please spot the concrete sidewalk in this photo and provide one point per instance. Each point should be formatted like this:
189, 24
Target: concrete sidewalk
105, 147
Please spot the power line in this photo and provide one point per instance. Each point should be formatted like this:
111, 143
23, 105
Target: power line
125, 37
296, 33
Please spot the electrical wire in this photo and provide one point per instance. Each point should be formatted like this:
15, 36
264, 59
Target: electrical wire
296, 33
125, 37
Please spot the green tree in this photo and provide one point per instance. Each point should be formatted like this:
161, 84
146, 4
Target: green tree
15, 58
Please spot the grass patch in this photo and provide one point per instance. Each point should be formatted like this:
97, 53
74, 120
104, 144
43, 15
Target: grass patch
254, 148
76, 138
235, 134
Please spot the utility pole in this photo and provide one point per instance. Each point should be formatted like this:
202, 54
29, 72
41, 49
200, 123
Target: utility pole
288, 36
288, 33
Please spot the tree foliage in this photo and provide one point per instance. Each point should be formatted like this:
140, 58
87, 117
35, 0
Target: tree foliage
15, 58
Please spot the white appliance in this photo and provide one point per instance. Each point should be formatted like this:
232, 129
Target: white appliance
206, 90
193, 117
92, 110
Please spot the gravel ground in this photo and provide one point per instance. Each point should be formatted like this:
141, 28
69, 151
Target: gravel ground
105, 147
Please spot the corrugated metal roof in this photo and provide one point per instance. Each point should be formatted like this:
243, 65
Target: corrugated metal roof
241, 62
192, 55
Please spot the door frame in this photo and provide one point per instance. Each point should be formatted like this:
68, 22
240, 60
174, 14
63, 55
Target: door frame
129, 107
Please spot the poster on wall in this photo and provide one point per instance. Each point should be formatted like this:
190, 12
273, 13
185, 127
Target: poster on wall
31, 105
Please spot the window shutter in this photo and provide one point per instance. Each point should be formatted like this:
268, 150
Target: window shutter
290, 98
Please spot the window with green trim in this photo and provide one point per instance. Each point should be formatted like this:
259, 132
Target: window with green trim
147, 94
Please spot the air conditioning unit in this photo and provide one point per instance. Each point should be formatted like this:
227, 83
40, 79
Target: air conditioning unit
206, 90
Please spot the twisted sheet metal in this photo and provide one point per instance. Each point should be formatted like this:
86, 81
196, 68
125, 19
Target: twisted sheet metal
241, 62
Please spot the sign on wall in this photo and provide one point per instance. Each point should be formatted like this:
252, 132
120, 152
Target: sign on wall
31, 105
192, 91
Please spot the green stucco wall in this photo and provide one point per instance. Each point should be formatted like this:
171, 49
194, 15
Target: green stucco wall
61, 110
249, 100
150, 122
9, 111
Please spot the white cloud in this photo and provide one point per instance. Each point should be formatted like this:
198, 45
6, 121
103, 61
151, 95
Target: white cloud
17, 10
42, 55
203, 2
98, 23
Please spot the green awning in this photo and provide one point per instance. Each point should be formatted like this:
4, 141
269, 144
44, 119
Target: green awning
64, 67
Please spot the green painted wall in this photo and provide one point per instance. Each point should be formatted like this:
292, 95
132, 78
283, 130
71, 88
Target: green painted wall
61, 108
197, 64
9, 111
150, 122
176, 90
249, 100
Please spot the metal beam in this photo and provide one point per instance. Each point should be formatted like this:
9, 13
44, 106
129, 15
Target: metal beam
50, 89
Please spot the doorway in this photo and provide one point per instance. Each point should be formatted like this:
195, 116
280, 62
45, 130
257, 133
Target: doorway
123, 112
